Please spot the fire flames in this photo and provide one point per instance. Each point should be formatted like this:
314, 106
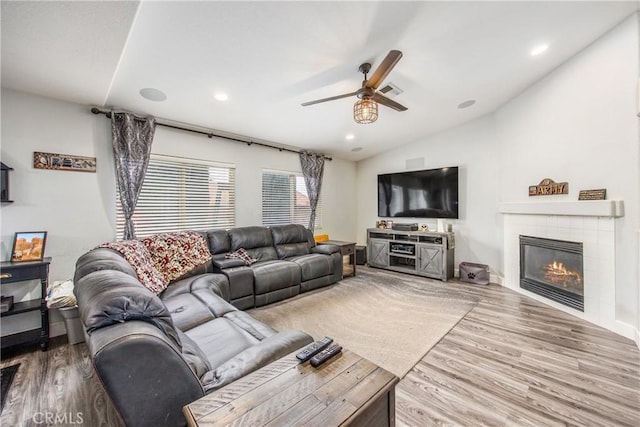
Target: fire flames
558, 274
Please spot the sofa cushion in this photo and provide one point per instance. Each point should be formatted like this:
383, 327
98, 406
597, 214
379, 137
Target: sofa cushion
290, 240
220, 339
273, 275
187, 311
219, 242
257, 241
176, 254
313, 266
137, 254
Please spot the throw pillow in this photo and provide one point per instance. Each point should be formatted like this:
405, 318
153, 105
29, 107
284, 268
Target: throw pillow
241, 254
137, 254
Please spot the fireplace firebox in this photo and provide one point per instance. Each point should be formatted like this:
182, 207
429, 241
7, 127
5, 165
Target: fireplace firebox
553, 269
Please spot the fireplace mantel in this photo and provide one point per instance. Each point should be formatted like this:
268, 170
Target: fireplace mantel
598, 208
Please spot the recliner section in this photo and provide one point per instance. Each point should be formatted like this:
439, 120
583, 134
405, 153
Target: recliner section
288, 263
156, 353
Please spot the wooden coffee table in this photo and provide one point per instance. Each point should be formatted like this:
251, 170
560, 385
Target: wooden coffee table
346, 390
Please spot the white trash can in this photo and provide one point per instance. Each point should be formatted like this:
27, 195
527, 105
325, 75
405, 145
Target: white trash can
72, 321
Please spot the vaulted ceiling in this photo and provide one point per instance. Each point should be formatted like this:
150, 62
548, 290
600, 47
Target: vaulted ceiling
269, 57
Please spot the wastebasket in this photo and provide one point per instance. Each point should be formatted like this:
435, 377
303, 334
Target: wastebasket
477, 274
72, 321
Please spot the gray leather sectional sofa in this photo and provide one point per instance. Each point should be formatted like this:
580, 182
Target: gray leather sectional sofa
156, 353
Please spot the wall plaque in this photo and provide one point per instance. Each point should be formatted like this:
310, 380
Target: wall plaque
600, 194
63, 162
548, 187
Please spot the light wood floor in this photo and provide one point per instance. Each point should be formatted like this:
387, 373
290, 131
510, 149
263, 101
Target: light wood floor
511, 361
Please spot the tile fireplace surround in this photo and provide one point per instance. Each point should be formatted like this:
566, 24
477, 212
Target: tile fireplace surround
590, 222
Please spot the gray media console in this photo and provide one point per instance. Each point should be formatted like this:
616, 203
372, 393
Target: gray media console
416, 252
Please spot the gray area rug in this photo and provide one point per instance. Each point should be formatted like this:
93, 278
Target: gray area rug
391, 319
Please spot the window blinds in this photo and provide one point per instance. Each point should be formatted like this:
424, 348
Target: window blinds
285, 200
182, 194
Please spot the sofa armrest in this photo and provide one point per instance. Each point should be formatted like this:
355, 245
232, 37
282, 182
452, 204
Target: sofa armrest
129, 359
325, 249
221, 264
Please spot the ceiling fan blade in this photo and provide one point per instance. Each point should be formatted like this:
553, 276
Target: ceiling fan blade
318, 101
381, 99
384, 69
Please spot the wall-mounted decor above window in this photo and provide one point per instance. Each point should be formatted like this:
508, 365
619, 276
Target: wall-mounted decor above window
65, 162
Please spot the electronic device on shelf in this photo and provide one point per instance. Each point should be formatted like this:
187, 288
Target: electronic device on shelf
398, 248
405, 227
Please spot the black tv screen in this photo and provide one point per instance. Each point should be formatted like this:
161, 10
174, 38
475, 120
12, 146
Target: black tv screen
431, 193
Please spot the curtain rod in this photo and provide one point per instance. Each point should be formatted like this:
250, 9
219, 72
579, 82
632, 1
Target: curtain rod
211, 134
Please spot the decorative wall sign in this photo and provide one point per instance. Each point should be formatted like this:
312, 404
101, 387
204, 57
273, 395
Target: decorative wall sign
600, 194
548, 187
63, 162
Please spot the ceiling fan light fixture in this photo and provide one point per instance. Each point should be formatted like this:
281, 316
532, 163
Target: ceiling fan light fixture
365, 111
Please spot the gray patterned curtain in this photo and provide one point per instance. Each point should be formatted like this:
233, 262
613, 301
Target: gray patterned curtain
132, 137
312, 169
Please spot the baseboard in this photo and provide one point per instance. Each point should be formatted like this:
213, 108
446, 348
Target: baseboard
493, 278
626, 330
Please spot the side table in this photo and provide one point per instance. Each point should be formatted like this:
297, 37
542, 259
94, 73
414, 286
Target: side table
345, 390
11, 272
346, 249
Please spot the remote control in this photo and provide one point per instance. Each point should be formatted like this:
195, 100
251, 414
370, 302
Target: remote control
325, 355
313, 349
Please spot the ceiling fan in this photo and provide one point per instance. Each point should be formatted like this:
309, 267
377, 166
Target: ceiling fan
365, 110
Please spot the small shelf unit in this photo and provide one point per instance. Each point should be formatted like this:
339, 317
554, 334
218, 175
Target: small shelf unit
422, 253
11, 272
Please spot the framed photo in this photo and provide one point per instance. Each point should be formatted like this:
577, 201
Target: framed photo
28, 246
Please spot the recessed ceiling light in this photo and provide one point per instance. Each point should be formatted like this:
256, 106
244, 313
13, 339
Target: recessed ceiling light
221, 96
539, 49
153, 94
349, 137
467, 104
355, 150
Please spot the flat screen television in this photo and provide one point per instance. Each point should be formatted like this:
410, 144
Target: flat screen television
431, 193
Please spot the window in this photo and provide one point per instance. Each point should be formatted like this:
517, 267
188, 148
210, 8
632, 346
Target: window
285, 200
182, 194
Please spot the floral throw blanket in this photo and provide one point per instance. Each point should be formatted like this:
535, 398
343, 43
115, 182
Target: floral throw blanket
137, 254
162, 258
175, 254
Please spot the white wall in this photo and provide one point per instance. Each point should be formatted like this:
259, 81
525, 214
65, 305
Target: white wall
579, 125
77, 209
472, 147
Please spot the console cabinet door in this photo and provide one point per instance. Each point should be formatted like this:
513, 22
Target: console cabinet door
378, 253
430, 260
